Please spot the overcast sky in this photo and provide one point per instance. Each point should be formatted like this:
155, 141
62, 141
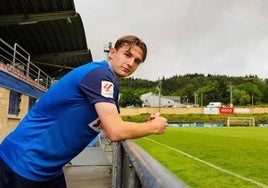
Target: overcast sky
221, 37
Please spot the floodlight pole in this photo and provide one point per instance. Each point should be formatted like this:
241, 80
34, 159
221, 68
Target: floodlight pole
202, 99
107, 48
195, 99
231, 96
159, 95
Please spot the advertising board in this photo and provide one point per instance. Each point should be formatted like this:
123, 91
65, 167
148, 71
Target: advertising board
226, 110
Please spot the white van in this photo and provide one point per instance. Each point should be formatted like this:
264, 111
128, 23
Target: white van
214, 105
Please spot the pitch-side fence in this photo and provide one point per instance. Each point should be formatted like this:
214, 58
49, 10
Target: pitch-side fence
134, 168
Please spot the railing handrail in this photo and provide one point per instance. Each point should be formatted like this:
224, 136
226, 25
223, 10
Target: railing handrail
18, 54
133, 167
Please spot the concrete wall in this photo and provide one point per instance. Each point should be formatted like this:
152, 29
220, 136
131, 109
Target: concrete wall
4, 96
16, 81
136, 111
9, 122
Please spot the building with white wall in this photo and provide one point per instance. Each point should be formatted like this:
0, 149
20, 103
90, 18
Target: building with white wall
153, 100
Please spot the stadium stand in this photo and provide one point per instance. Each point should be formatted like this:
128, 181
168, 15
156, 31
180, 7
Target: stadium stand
51, 31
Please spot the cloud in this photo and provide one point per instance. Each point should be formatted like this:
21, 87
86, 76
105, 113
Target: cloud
183, 36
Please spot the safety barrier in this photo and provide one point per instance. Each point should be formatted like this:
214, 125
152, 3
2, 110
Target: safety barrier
133, 167
16, 61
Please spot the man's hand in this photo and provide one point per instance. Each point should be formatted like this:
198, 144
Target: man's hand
116, 129
152, 116
159, 122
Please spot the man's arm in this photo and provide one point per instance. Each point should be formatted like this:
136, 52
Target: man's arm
116, 129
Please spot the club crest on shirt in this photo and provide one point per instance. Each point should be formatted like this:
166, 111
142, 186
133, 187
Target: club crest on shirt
107, 89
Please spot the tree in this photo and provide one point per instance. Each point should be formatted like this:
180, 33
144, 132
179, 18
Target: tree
210, 88
251, 90
209, 92
128, 97
241, 97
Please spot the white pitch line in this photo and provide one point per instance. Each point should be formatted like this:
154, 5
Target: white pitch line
211, 165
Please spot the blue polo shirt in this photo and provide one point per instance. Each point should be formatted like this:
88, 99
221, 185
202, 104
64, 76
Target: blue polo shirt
61, 124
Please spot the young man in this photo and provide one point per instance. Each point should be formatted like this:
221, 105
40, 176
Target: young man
71, 114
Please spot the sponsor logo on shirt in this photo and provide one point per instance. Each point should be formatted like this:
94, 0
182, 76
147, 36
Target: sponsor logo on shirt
96, 125
107, 89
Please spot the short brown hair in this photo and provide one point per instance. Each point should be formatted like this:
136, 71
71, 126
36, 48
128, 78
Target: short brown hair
131, 40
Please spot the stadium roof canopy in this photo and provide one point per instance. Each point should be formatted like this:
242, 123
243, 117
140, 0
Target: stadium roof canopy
50, 30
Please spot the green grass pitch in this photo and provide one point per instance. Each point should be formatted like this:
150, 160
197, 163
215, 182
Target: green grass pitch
213, 157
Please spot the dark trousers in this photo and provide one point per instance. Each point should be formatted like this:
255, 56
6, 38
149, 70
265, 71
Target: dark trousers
9, 179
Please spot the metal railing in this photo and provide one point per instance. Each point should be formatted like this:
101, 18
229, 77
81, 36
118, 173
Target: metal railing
18, 62
133, 168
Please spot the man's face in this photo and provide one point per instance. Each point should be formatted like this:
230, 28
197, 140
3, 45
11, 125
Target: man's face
125, 60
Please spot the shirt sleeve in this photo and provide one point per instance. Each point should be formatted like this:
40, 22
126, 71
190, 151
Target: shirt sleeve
99, 86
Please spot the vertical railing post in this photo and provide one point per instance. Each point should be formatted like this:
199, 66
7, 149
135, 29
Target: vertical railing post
14, 57
28, 65
117, 165
38, 76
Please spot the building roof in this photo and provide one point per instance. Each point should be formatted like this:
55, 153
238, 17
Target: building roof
51, 31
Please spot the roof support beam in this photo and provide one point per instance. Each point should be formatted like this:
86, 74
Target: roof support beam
52, 65
60, 55
22, 19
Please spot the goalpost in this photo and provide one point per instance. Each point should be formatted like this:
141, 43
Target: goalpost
241, 121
